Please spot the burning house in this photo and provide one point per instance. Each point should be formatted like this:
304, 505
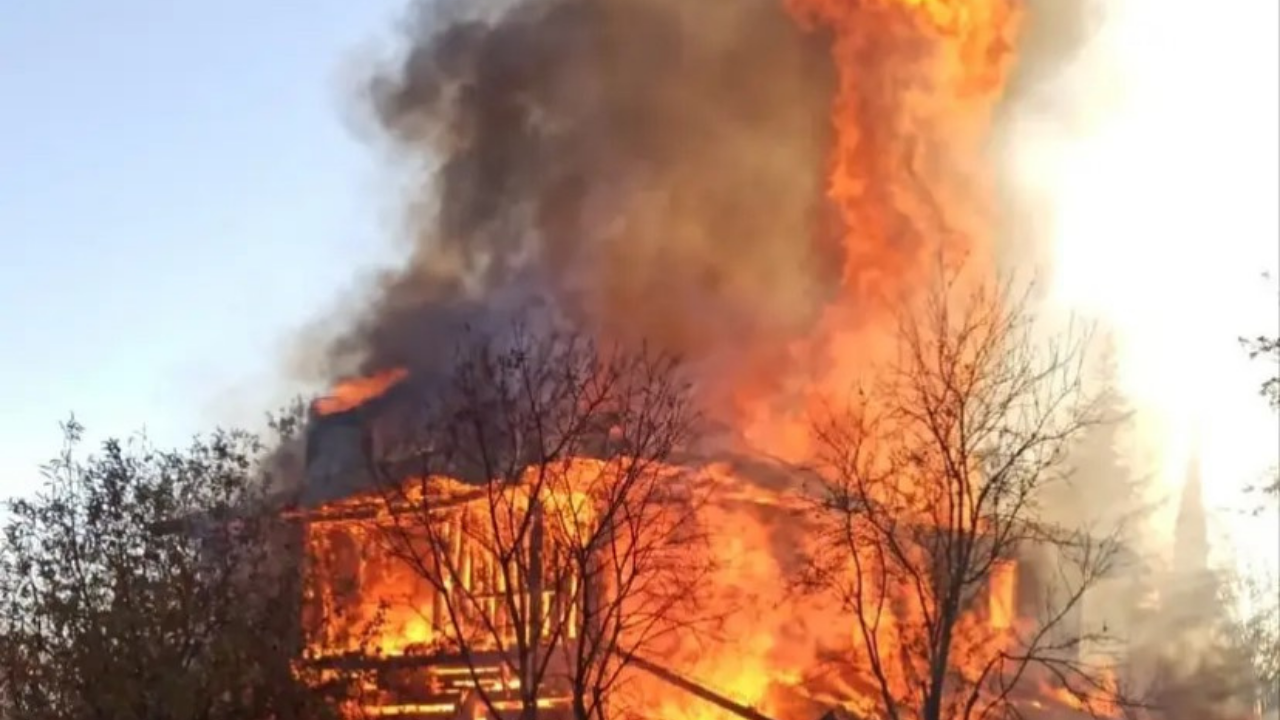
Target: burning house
426, 637
750, 186
422, 639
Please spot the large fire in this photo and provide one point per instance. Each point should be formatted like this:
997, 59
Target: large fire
918, 84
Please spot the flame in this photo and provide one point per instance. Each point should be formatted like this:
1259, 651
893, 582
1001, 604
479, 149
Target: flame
1004, 579
919, 81
753, 651
759, 657
1092, 701
357, 589
353, 392
373, 603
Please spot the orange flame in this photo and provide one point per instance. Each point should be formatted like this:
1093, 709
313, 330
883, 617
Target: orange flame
919, 81
1004, 579
1091, 701
373, 602
356, 391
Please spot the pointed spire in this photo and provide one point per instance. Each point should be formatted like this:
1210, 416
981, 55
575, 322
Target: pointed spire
1191, 533
1191, 607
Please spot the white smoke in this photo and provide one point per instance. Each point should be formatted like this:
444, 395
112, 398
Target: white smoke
1149, 164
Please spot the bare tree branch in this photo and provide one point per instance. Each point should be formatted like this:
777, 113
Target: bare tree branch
543, 516
930, 482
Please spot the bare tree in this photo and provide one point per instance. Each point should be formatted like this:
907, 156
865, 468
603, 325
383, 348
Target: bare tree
930, 482
1268, 349
1257, 632
546, 515
151, 585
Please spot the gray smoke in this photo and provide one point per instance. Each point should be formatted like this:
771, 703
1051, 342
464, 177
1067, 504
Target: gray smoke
647, 168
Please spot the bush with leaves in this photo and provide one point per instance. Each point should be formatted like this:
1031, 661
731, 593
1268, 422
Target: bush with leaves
141, 584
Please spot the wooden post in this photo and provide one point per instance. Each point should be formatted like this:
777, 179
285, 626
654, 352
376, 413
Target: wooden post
536, 589
556, 595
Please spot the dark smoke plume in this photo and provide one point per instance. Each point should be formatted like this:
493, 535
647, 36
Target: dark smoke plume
649, 168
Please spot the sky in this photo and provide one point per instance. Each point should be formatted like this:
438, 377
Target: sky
182, 186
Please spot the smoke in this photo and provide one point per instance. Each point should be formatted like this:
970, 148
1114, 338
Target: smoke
1123, 158
1044, 106
648, 168
1055, 95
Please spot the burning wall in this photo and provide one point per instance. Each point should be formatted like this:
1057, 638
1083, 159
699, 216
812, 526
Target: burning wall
782, 653
419, 594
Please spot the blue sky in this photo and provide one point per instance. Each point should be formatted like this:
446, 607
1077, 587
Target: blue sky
180, 191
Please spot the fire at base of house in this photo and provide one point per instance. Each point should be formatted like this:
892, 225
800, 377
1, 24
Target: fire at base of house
371, 615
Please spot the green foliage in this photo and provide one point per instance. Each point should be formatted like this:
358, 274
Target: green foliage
147, 584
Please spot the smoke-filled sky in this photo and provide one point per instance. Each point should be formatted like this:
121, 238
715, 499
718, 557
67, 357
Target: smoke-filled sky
652, 168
